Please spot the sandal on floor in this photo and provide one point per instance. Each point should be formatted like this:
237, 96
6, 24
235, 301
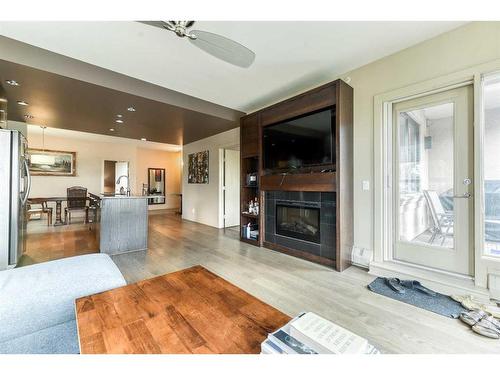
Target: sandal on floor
473, 317
493, 310
489, 327
395, 284
471, 303
416, 285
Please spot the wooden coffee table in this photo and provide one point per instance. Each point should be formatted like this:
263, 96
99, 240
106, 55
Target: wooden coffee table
189, 311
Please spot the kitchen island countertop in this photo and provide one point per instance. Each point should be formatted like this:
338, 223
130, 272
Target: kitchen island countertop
123, 196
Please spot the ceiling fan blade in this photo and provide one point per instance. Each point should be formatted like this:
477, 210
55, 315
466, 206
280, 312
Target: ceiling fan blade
223, 48
160, 24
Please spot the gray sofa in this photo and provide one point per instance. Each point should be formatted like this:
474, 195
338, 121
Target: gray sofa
37, 303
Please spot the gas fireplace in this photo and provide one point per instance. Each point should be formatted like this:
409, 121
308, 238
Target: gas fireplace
298, 220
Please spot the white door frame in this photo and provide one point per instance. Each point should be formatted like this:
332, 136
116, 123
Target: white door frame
458, 258
383, 263
230, 146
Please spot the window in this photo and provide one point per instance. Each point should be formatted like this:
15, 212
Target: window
409, 154
426, 174
491, 165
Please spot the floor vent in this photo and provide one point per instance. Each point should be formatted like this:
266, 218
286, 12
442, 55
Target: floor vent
361, 257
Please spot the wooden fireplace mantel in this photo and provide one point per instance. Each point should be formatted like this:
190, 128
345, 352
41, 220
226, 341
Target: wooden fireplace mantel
322, 182
337, 95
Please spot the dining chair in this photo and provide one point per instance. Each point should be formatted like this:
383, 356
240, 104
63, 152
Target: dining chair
76, 201
44, 209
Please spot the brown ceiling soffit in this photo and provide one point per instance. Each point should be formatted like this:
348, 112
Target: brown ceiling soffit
39, 58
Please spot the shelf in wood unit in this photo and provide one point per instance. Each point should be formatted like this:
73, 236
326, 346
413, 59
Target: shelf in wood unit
250, 186
250, 215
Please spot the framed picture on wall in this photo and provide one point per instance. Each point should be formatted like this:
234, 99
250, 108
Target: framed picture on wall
51, 162
198, 168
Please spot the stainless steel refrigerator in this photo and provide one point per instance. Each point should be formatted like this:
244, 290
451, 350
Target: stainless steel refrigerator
15, 183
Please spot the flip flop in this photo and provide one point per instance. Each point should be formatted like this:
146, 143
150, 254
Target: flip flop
493, 310
473, 317
488, 327
395, 284
471, 303
416, 285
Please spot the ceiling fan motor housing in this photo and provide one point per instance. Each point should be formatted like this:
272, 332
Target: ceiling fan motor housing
181, 28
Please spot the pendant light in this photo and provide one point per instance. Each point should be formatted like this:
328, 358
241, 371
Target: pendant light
42, 158
43, 137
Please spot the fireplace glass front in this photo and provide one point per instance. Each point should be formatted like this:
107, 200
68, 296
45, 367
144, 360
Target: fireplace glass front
299, 221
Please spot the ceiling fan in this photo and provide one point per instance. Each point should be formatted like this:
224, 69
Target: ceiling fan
216, 45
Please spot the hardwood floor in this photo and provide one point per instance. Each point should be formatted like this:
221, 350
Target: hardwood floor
293, 285
189, 311
44, 243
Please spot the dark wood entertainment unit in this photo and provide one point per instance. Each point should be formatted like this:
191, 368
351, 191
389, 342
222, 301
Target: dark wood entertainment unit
330, 189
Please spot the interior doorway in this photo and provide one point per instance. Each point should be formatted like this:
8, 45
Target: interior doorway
432, 189
115, 177
231, 187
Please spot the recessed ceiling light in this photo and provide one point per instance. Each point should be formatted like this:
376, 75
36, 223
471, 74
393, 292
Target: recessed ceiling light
111, 130
119, 116
22, 102
131, 109
143, 139
12, 82
29, 116
119, 121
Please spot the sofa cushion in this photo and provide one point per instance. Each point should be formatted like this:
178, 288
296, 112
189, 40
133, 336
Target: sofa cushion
36, 297
59, 339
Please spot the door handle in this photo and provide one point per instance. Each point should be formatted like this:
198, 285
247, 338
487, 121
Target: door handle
466, 195
28, 188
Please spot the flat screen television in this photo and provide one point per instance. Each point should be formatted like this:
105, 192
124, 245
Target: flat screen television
300, 143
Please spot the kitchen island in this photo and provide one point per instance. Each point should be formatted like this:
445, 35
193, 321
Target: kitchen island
123, 223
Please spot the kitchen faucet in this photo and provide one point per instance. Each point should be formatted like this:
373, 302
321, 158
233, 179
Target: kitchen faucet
128, 182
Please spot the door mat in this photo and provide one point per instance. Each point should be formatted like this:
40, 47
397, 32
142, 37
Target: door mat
440, 304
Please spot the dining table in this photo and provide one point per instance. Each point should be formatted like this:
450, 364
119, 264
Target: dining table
58, 201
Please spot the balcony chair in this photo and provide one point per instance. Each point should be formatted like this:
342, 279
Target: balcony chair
442, 220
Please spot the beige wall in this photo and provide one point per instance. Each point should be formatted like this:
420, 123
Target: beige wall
202, 202
90, 156
171, 162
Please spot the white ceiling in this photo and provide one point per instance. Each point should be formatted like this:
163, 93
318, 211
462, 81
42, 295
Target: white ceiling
291, 56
